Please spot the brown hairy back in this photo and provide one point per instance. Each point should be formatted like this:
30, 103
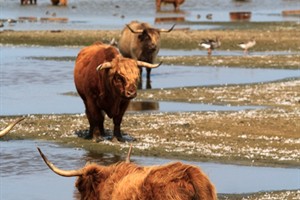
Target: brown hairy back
174, 181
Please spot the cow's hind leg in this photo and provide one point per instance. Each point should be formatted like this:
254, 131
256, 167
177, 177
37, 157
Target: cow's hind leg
148, 81
148, 73
176, 6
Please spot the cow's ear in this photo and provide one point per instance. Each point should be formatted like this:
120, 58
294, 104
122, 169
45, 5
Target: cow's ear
105, 65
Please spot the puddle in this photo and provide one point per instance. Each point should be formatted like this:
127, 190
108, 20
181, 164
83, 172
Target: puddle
34, 86
24, 174
113, 14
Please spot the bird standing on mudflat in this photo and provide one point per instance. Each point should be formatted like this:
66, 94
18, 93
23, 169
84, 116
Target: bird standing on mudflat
247, 45
210, 44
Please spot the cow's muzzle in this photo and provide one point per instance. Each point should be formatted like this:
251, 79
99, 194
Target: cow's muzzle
130, 93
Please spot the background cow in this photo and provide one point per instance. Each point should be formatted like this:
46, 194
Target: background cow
60, 2
176, 3
108, 90
141, 42
25, 2
125, 180
10, 126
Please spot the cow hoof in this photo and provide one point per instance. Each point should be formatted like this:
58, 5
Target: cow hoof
118, 139
124, 138
98, 139
88, 137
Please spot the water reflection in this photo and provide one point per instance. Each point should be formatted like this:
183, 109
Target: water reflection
24, 175
159, 20
143, 106
240, 16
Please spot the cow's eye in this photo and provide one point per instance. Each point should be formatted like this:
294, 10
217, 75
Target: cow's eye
119, 78
144, 36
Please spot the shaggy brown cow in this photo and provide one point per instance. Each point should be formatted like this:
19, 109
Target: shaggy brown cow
106, 82
141, 42
176, 3
123, 181
10, 126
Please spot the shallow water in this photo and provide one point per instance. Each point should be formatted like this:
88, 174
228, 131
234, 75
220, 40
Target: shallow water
35, 86
113, 14
25, 175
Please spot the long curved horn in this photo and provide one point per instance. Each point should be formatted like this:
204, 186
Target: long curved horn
128, 154
105, 65
65, 173
164, 30
10, 126
133, 31
147, 65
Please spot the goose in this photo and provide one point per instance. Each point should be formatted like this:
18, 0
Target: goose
210, 44
247, 45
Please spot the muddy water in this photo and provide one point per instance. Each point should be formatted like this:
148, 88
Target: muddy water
113, 14
23, 174
33, 83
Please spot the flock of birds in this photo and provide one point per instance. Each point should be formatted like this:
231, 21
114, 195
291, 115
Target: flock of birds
211, 44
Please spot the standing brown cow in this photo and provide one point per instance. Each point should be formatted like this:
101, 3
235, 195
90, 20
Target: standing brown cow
106, 82
176, 3
10, 126
125, 180
141, 42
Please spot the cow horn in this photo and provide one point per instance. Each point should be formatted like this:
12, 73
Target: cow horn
147, 65
10, 126
128, 154
133, 31
105, 65
164, 30
66, 173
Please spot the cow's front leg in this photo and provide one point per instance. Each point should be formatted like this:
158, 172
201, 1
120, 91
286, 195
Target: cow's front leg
96, 121
117, 129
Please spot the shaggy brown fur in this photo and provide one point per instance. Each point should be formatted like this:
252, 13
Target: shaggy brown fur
176, 3
127, 181
108, 90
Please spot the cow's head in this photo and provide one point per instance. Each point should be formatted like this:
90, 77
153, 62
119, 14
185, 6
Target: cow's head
9, 127
90, 177
149, 37
124, 75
